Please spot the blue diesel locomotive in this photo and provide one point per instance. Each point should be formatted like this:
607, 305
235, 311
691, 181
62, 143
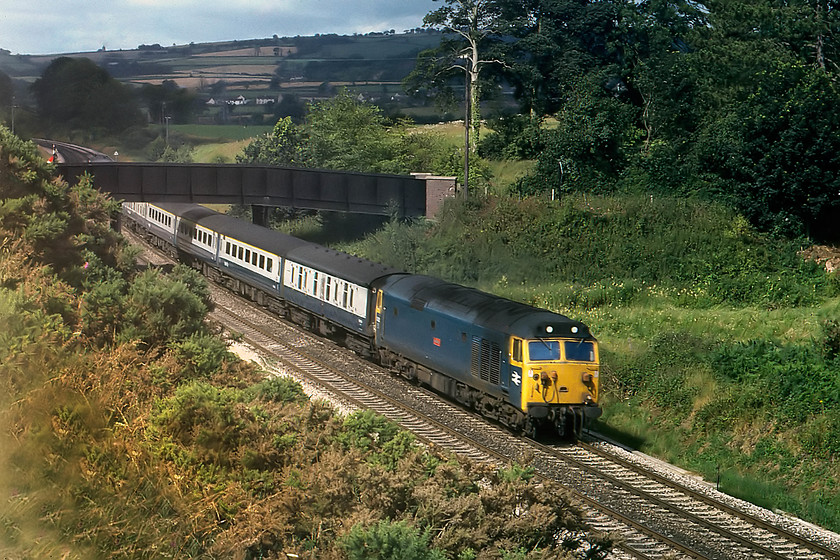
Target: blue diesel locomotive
521, 366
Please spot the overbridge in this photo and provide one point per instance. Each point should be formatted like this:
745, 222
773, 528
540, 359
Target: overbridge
263, 186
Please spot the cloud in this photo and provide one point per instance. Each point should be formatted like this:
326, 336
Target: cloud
64, 26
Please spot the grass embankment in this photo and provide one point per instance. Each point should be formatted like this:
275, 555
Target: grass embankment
720, 345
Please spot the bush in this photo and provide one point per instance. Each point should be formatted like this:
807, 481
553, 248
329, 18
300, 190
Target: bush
159, 308
202, 355
389, 541
278, 389
208, 421
383, 441
782, 381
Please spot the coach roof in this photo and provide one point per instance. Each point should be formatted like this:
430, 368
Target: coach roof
343, 265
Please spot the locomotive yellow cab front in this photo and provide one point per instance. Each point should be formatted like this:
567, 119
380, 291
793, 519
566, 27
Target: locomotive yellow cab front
560, 380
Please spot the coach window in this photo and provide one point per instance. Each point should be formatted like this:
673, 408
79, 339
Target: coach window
241, 252
327, 291
270, 264
262, 262
254, 258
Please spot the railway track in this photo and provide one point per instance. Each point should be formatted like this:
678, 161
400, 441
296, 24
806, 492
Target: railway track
64, 152
656, 515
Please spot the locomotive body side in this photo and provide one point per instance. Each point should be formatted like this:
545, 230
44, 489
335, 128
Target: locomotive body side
419, 328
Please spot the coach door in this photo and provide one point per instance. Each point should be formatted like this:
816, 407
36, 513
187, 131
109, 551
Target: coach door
378, 320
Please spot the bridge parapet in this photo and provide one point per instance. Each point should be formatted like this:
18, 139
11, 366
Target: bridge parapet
259, 185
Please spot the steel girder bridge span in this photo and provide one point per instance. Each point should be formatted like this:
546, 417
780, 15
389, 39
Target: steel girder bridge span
264, 187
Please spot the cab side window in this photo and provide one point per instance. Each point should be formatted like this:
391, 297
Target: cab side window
516, 350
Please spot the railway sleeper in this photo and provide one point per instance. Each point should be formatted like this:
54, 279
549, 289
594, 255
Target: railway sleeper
300, 318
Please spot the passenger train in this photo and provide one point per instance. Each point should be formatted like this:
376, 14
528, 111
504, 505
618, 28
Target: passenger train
524, 367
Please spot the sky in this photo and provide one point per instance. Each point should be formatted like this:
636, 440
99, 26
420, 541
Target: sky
67, 26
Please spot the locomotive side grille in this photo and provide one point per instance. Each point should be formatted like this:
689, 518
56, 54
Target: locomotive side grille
486, 360
495, 364
475, 362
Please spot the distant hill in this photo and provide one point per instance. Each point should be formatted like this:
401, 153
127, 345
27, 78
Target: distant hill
258, 69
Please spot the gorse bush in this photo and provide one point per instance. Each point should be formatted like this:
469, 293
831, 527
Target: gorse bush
55, 221
158, 308
208, 420
383, 442
278, 389
389, 541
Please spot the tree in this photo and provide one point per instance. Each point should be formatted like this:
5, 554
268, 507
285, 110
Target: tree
76, 93
471, 25
587, 150
7, 93
553, 44
776, 155
287, 145
349, 134
168, 100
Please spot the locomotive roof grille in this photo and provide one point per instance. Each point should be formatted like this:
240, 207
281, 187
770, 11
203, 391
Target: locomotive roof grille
483, 309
